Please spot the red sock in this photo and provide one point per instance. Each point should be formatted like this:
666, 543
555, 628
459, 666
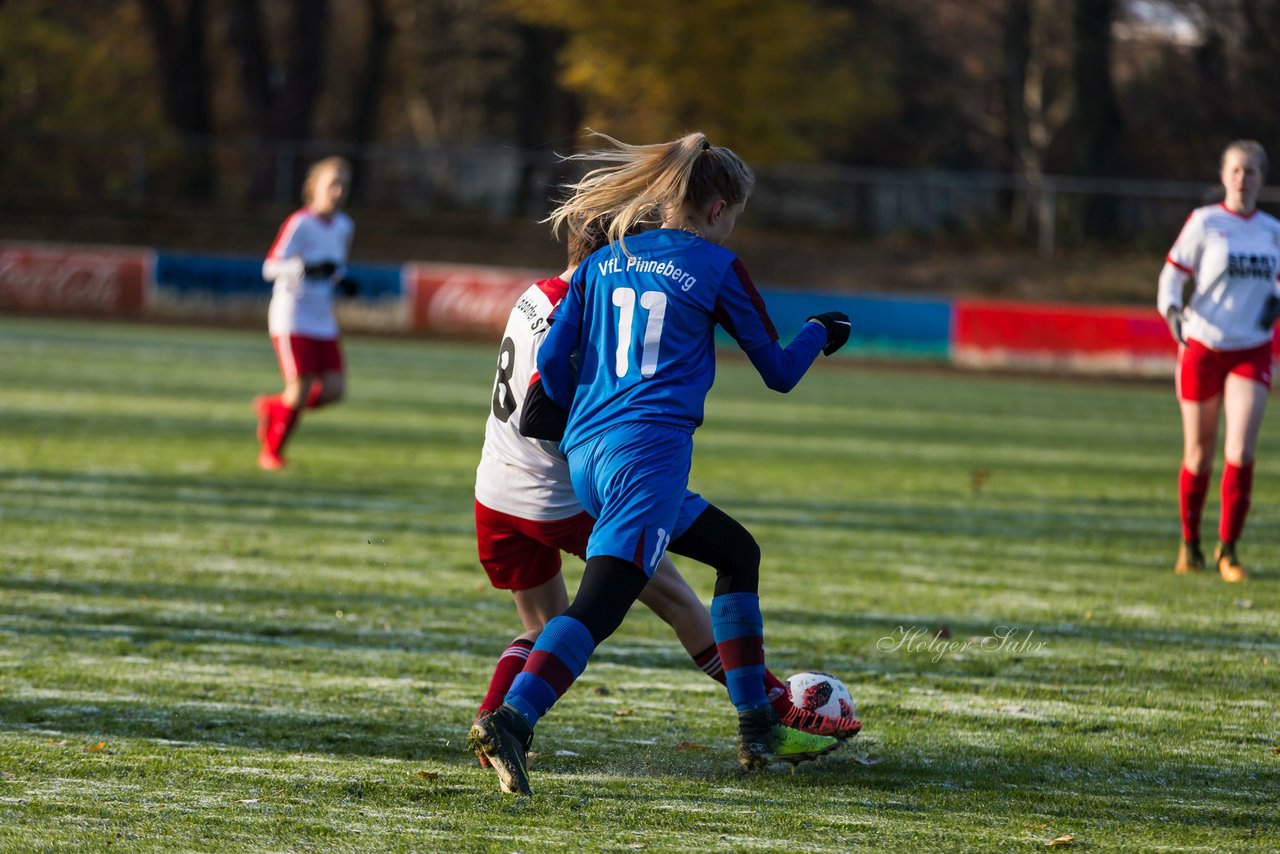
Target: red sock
510, 663
1192, 489
313, 395
283, 420
1237, 487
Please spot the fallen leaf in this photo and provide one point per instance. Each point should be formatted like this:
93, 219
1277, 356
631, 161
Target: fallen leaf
691, 745
622, 713
102, 745
8, 775
869, 759
428, 775
1276, 751
1062, 841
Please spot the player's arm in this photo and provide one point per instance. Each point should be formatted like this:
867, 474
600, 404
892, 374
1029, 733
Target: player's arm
540, 417
555, 356
1178, 270
284, 258
741, 311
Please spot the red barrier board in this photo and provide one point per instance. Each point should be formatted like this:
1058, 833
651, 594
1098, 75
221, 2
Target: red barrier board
79, 280
452, 298
1102, 338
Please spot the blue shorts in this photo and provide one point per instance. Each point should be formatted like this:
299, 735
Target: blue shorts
634, 479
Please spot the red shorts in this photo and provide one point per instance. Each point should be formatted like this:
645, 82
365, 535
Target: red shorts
1202, 373
300, 355
522, 553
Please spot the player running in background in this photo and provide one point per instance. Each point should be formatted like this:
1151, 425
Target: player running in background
1230, 254
307, 261
526, 514
641, 315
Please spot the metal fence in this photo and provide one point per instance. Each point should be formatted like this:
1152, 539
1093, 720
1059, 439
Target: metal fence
503, 181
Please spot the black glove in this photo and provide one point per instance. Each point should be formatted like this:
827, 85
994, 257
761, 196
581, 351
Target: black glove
1174, 318
1270, 313
323, 270
838, 328
347, 288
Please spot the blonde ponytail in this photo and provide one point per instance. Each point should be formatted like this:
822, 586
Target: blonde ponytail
647, 183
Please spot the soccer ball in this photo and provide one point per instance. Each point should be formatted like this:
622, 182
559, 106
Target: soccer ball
822, 693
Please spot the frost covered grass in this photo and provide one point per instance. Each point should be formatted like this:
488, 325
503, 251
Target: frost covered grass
195, 655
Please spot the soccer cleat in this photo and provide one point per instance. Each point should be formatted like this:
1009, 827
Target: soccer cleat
480, 757
1190, 558
504, 737
763, 739
270, 461
1228, 564
818, 724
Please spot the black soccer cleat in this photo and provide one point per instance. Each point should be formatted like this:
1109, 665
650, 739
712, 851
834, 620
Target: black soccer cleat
504, 738
763, 739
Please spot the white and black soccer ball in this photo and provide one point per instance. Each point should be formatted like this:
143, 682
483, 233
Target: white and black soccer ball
822, 693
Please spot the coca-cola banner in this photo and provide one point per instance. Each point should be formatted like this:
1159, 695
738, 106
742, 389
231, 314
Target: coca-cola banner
454, 298
74, 279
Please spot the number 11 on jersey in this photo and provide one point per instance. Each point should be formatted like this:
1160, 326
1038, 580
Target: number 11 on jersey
655, 303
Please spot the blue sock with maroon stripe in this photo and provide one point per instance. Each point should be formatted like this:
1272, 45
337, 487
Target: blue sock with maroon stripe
557, 659
739, 632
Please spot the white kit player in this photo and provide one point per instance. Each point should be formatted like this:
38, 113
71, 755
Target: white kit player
307, 261
1229, 254
526, 514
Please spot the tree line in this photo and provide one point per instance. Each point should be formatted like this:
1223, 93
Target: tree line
1134, 88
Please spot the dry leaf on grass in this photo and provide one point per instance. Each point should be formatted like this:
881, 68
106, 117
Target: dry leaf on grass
428, 775
100, 747
691, 745
1062, 841
623, 713
8, 775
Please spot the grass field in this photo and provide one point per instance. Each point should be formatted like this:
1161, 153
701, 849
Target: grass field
195, 655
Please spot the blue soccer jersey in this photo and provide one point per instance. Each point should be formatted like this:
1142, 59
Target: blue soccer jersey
644, 326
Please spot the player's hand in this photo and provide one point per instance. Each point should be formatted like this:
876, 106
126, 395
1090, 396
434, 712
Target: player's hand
838, 328
1174, 318
323, 270
347, 288
1270, 312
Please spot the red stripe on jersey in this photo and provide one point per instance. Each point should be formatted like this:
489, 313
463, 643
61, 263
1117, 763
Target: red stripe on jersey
756, 299
286, 232
741, 652
1237, 214
554, 288
533, 379
552, 670
1183, 267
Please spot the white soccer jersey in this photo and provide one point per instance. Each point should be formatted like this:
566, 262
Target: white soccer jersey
300, 304
523, 477
1234, 261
